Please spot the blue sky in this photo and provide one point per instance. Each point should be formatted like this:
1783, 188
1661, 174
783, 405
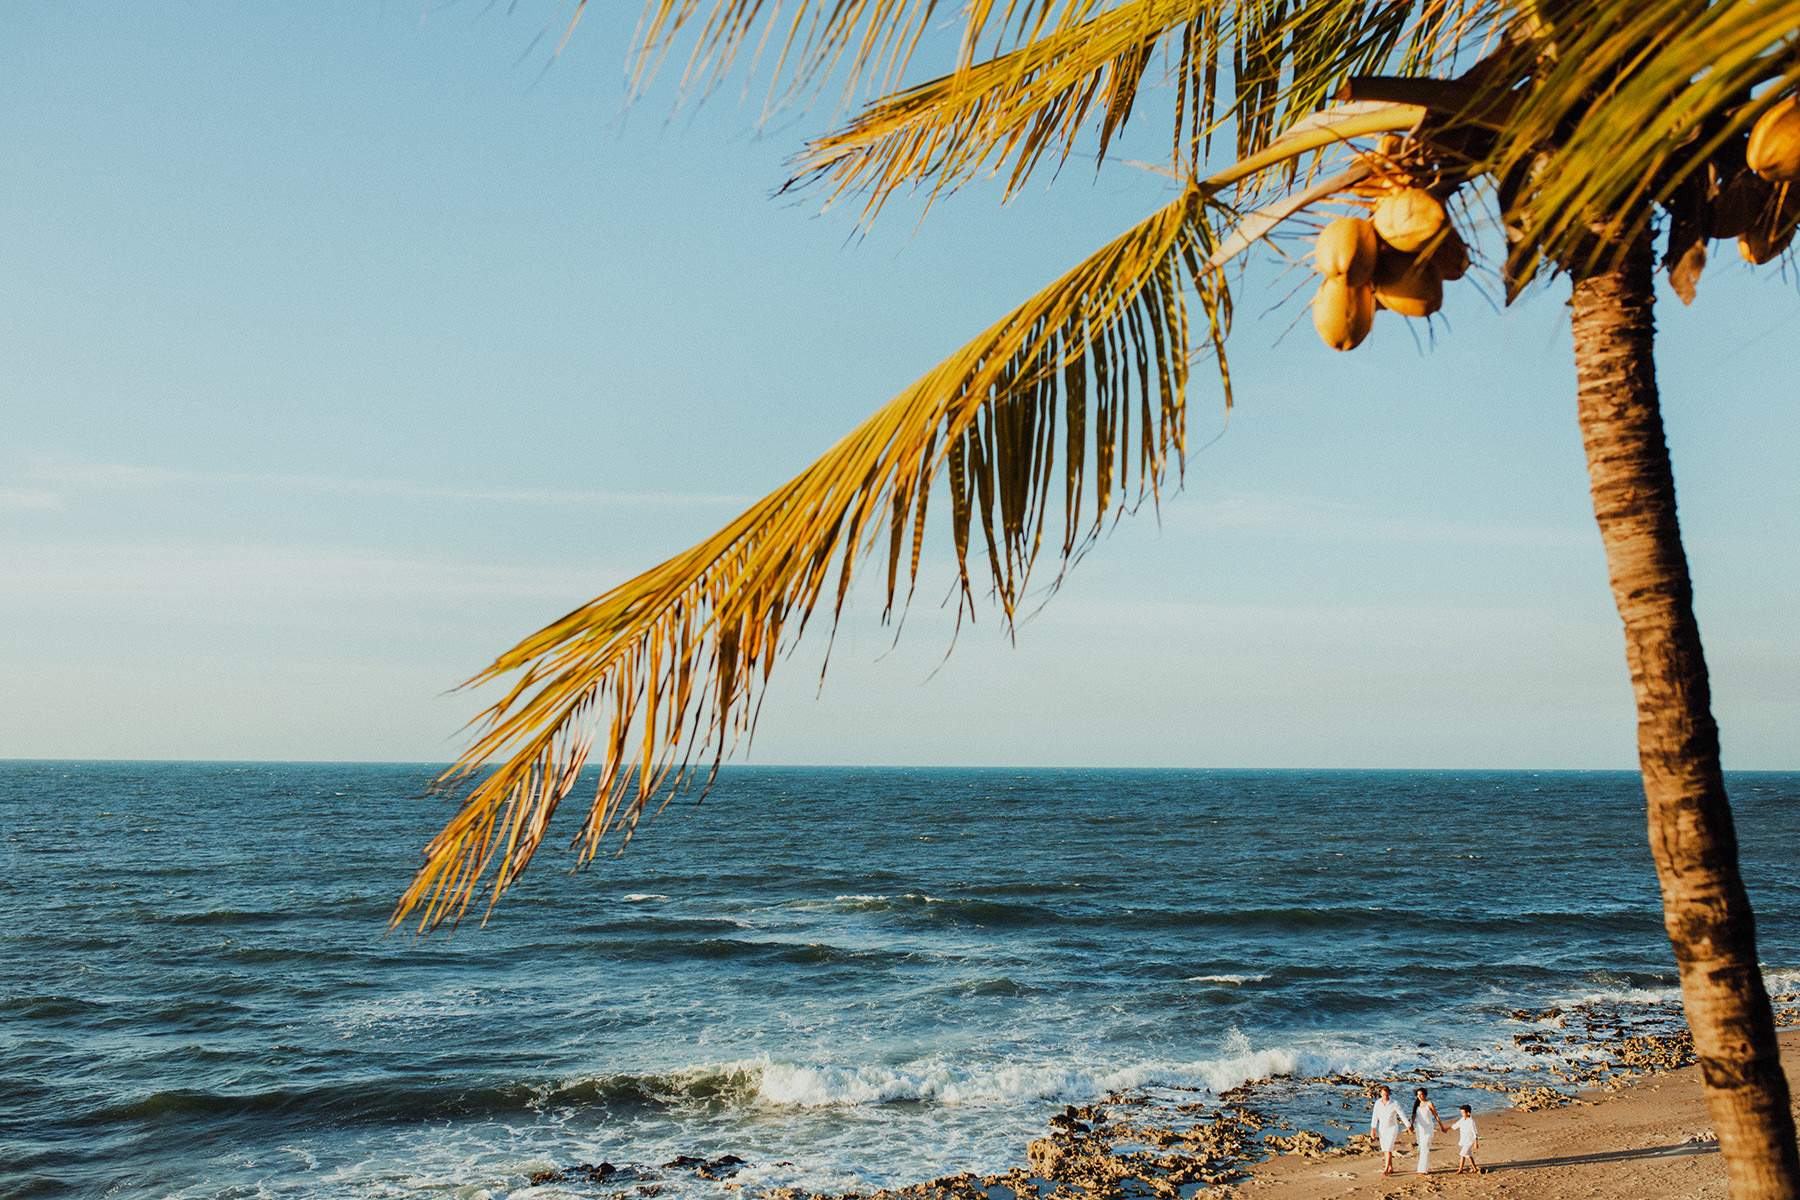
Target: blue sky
342, 345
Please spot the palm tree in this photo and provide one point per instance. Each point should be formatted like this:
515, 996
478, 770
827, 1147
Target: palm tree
1581, 123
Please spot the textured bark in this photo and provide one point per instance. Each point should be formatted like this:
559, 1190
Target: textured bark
1705, 909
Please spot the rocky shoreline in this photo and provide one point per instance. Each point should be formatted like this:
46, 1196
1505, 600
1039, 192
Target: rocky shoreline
1192, 1144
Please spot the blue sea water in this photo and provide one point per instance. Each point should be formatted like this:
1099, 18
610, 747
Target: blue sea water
850, 978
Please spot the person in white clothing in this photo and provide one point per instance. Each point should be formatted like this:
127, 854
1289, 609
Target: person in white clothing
1384, 1122
1466, 1142
1425, 1125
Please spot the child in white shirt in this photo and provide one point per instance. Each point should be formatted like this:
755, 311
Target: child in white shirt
1465, 1142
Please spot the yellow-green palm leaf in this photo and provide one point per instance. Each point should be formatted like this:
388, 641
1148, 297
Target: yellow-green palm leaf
1015, 111
670, 664
1015, 107
1076, 396
1629, 99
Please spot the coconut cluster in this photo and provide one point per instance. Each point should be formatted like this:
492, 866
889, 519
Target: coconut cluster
1398, 258
1402, 253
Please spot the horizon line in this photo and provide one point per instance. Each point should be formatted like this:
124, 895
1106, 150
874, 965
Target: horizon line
441, 765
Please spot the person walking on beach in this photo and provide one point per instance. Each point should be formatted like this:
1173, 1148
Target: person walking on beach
1384, 1122
1425, 1125
1466, 1142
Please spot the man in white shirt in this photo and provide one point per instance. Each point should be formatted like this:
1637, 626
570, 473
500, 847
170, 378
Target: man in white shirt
1385, 1122
1465, 1142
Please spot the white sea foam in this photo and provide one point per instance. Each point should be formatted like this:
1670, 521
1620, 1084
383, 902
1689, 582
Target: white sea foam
1236, 980
820, 1086
943, 1081
640, 897
1775, 979
1781, 979
1629, 995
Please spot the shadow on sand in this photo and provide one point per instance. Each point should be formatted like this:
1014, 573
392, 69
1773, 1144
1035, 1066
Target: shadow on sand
1678, 1150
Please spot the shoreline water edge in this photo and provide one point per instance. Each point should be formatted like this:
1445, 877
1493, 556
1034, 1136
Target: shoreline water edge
1189, 1143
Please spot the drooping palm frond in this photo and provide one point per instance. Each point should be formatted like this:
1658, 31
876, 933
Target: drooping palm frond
1015, 111
1049, 66
669, 665
1632, 97
866, 43
666, 670
1015, 107
1290, 59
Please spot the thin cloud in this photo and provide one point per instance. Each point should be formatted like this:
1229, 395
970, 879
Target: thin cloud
90, 476
132, 575
18, 498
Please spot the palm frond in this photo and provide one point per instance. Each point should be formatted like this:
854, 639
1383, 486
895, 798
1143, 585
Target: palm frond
669, 665
1317, 134
1015, 107
1289, 59
866, 43
1020, 109
1631, 99
667, 669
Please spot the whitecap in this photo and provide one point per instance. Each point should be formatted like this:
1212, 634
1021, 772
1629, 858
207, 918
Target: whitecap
940, 1081
1779, 980
1631, 995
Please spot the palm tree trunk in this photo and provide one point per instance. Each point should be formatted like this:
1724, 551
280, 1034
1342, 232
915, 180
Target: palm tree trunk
1705, 909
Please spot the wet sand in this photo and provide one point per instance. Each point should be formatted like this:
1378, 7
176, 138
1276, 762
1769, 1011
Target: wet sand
1649, 1139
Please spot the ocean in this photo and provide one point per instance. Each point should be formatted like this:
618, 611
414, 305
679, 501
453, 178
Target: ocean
849, 979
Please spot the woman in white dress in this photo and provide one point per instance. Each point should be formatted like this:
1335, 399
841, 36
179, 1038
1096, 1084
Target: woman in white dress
1425, 1124
1384, 1122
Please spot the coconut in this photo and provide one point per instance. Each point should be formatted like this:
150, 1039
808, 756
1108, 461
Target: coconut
1409, 218
1774, 149
1408, 285
1347, 247
1450, 257
1739, 204
1343, 314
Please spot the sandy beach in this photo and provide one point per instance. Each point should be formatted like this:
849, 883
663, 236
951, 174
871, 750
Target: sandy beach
1651, 1138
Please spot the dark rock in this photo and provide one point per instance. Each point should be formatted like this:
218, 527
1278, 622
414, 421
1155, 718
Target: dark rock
723, 1167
